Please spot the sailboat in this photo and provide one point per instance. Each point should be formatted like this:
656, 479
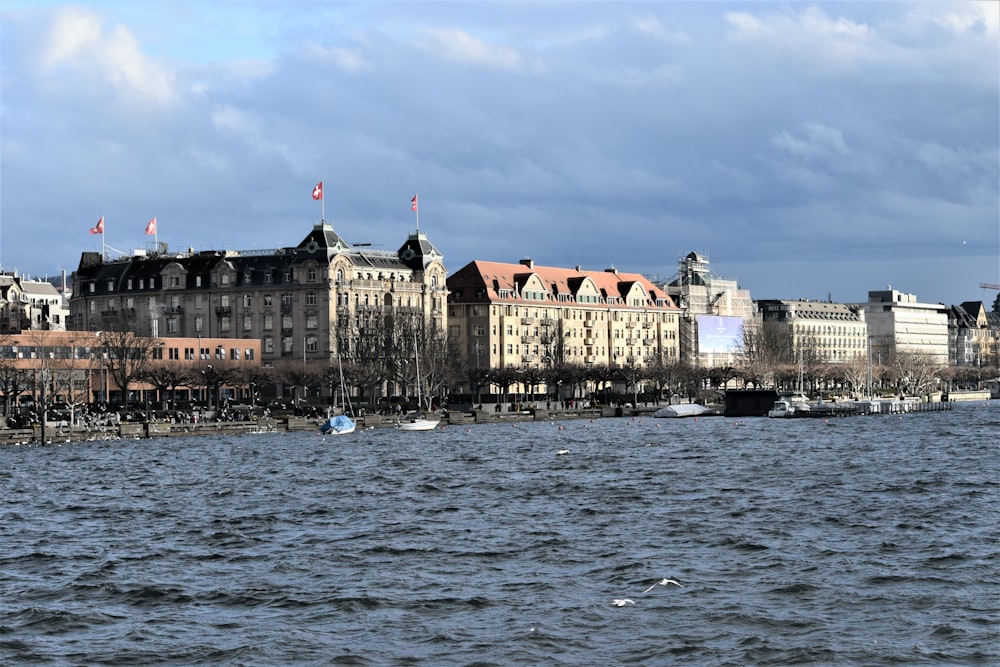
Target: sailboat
340, 424
416, 421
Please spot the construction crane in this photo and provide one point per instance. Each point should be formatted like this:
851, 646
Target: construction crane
989, 286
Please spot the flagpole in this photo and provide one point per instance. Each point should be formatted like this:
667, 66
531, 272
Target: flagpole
104, 246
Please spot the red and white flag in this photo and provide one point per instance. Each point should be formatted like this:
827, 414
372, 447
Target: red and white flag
413, 203
99, 227
318, 191
151, 227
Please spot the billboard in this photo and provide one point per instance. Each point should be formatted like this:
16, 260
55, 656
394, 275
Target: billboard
719, 335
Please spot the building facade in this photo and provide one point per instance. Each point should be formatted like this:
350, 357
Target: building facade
30, 305
714, 311
77, 367
301, 302
973, 335
898, 322
823, 332
524, 315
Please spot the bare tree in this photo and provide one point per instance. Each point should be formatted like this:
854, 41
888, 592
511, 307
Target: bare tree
166, 377
14, 380
128, 352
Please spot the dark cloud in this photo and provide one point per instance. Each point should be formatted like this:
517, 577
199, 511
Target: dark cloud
807, 149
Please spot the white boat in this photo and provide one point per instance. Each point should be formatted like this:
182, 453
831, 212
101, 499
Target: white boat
417, 421
789, 407
683, 410
339, 424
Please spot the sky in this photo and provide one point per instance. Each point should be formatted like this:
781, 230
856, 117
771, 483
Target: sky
809, 150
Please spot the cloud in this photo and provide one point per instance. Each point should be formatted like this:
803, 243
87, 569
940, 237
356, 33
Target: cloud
460, 46
78, 41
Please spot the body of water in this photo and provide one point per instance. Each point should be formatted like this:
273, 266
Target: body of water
858, 541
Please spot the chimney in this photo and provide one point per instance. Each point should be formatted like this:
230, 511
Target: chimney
528, 262
611, 270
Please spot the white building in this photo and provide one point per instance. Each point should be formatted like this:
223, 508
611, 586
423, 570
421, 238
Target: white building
898, 322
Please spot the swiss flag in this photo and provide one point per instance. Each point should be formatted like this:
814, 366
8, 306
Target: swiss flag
413, 203
151, 227
318, 191
99, 227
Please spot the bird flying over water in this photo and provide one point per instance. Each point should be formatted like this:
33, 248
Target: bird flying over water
663, 582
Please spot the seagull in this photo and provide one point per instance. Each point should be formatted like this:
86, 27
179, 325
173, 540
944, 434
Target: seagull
562, 452
663, 582
622, 603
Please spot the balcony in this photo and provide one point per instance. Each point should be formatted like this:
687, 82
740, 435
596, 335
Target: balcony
169, 310
223, 310
527, 320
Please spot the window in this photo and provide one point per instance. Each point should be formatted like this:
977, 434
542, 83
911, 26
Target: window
189, 353
197, 281
286, 321
287, 345
247, 301
220, 352
310, 298
312, 321
234, 354
224, 278
268, 322
247, 322
111, 285
199, 325
224, 323
286, 300
268, 345
311, 274
310, 343
224, 301
171, 325
249, 354
267, 300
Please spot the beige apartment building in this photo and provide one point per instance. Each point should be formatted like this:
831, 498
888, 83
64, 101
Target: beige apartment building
302, 302
529, 316
821, 331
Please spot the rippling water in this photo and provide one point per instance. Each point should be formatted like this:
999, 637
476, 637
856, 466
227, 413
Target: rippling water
862, 541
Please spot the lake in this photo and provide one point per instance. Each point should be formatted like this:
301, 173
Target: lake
856, 541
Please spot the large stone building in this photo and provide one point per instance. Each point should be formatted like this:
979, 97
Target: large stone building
821, 331
898, 322
301, 302
524, 315
714, 311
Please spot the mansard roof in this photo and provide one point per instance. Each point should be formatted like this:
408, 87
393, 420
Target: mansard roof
418, 252
483, 281
252, 267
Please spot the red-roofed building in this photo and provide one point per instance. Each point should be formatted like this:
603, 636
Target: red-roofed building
525, 315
